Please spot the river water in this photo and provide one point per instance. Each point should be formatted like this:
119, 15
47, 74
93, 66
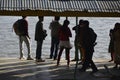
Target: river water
9, 41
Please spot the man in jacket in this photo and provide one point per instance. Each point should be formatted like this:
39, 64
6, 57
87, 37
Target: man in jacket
24, 36
54, 27
40, 35
88, 43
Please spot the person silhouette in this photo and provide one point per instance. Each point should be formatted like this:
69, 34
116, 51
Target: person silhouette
22, 31
78, 49
88, 43
116, 39
54, 27
111, 45
64, 34
40, 35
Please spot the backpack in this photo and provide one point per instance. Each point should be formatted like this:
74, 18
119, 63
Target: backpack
17, 27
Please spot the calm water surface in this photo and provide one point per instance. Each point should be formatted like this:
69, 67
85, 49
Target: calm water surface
9, 41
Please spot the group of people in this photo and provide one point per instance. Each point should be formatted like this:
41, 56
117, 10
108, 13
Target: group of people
85, 40
60, 38
21, 29
114, 44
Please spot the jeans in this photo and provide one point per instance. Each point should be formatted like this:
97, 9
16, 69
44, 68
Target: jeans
54, 47
39, 49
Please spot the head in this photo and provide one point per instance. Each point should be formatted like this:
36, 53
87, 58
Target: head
41, 18
57, 18
117, 26
66, 22
111, 30
24, 17
80, 21
85, 24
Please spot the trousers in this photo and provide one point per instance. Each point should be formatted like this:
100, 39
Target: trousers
26, 40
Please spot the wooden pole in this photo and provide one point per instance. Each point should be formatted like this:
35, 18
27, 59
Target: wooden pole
76, 53
66, 18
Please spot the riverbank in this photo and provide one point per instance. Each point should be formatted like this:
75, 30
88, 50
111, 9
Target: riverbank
15, 69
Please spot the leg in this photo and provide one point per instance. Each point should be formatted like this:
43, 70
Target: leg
116, 66
52, 48
56, 48
21, 47
85, 65
112, 56
59, 55
82, 53
39, 49
93, 66
76, 52
68, 56
86, 62
27, 41
91, 63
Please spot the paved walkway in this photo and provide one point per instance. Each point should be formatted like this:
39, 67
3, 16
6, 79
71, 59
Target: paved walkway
15, 69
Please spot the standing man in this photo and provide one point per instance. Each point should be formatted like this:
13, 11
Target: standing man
21, 29
111, 45
88, 42
116, 40
76, 41
54, 26
40, 35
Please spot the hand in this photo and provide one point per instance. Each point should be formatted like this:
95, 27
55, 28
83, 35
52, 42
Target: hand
28, 36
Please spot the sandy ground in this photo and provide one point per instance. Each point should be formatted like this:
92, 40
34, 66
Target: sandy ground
15, 69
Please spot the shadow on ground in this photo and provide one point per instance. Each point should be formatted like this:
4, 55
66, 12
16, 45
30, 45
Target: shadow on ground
15, 69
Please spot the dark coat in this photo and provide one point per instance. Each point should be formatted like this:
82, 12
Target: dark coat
40, 34
88, 38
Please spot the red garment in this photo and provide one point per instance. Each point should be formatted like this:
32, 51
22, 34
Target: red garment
64, 34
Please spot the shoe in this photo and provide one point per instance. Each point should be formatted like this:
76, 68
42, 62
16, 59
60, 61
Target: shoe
94, 71
68, 66
29, 58
110, 61
58, 65
55, 58
80, 62
115, 67
49, 58
21, 58
89, 66
82, 70
75, 60
40, 60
